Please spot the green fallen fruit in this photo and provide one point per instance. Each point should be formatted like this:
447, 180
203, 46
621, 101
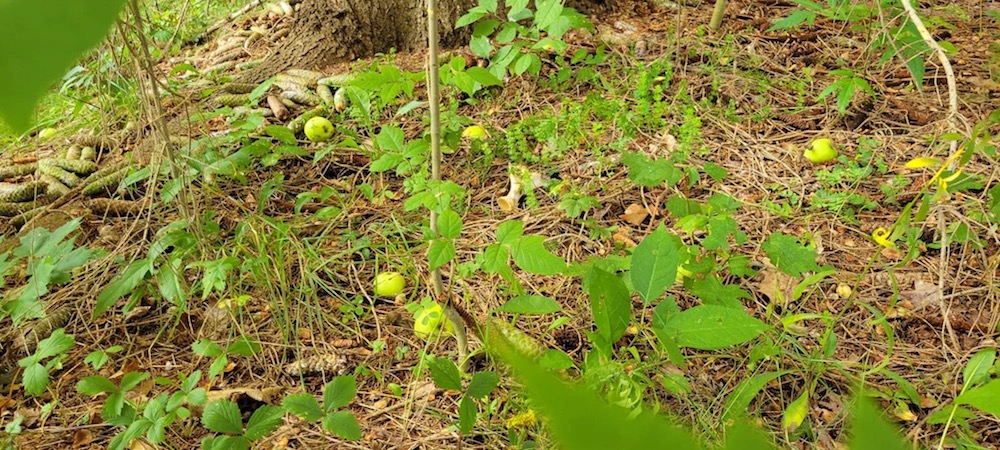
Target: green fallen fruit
820, 151
47, 133
389, 284
319, 129
427, 322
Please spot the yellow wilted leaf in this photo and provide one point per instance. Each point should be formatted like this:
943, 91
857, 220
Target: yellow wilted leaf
474, 132
796, 413
923, 161
881, 237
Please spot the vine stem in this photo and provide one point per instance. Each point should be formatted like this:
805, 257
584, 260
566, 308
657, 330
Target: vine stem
434, 100
949, 73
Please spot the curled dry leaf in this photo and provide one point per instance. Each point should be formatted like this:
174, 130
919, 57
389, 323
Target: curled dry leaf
635, 214
776, 285
922, 295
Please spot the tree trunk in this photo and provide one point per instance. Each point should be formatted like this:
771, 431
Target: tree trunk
331, 31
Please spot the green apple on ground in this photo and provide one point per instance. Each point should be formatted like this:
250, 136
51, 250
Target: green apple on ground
47, 133
474, 132
820, 151
427, 322
319, 129
389, 284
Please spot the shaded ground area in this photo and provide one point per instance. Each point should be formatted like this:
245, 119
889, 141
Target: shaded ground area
740, 109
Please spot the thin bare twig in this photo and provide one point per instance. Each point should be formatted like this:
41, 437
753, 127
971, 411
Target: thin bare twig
434, 98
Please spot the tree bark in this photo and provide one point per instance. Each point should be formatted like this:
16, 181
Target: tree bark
331, 31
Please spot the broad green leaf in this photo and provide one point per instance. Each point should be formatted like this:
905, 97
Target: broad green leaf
482, 384
223, 416
712, 327
264, 420
57, 343
789, 256
610, 303
440, 252
122, 285
445, 374
795, 413
578, 419
449, 224
281, 133
343, 424
483, 76
35, 379
39, 42
531, 255
978, 368
509, 232
740, 398
390, 138
132, 379
339, 392
711, 291
467, 412
654, 263
649, 172
495, 258
547, 13
530, 304
303, 405
985, 397
870, 431
95, 385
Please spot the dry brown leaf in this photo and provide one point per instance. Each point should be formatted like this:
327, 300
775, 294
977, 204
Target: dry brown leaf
635, 214
922, 295
777, 286
82, 438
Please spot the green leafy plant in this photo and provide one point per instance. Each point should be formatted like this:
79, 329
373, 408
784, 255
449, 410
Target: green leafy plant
47, 357
337, 394
98, 358
50, 257
446, 375
224, 417
242, 346
844, 87
512, 45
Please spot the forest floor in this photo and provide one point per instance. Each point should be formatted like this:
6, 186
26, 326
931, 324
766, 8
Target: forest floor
280, 248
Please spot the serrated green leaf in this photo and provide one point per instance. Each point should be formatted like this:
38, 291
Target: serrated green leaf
449, 224
95, 385
122, 285
64, 29
440, 252
303, 405
281, 133
339, 392
445, 374
390, 138
712, 327
789, 256
264, 420
35, 379
223, 416
711, 291
509, 232
343, 424
645, 171
482, 384
467, 412
531, 255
